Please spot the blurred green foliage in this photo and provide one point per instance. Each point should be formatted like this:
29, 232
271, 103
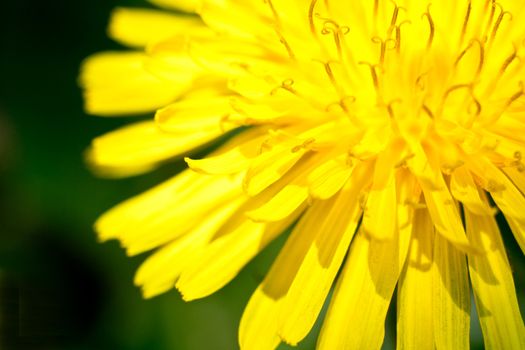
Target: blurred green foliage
60, 288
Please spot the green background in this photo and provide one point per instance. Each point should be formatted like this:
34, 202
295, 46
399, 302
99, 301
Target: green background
59, 287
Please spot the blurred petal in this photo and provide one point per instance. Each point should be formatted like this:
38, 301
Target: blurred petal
160, 271
138, 27
118, 83
258, 328
382, 204
233, 157
183, 5
281, 205
140, 147
166, 211
195, 114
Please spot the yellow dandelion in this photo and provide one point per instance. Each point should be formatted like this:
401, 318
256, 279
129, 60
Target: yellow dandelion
388, 134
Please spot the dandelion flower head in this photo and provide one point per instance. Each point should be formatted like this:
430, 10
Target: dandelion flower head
386, 134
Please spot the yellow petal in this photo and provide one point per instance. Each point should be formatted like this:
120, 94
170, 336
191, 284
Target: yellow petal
167, 211
518, 229
366, 283
465, 190
517, 177
451, 296
219, 263
169, 60
287, 194
238, 19
374, 141
195, 115
140, 147
259, 326
252, 87
493, 286
233, 157
160, 271
378, 220
138, 27
260, 112
231, 248
507, 127
444, 213
231, 59
118, 83
322, 260
270, 167
283, 149
408, 199
418, 162
414, 298
183, 5
440, 203
329, 177
281, 205
507, 197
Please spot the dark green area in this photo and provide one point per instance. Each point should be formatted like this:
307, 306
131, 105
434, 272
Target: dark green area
60, 288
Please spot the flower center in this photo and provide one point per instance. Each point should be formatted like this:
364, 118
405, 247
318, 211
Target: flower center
431, 74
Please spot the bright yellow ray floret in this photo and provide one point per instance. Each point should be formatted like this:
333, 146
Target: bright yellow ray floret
386, 134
